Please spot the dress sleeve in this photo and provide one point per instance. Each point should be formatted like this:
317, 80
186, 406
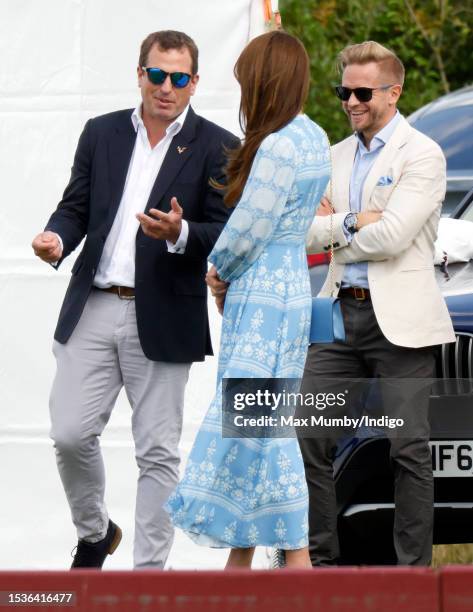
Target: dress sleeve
258, 212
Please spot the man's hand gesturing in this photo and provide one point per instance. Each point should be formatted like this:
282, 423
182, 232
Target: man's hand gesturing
166, 226
47, 247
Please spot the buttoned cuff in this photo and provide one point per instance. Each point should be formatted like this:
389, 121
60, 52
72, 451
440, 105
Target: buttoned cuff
180, 246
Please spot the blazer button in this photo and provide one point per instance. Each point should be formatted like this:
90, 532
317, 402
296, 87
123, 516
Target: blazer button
326, 248
337, 285
336, 244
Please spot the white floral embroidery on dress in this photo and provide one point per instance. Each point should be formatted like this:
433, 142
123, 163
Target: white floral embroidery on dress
280, 529
253, 534
229, 531
257, 487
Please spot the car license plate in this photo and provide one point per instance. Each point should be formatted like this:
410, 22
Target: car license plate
452, 458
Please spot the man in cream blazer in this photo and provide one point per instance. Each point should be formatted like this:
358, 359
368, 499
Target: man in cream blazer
387, 188
399, 249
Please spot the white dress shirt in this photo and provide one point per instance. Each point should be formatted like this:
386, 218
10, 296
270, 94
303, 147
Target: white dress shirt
356, 275
117, 264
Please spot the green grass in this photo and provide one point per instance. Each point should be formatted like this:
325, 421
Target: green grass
447, 554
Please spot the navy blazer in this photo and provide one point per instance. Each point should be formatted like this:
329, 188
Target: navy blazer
170, 289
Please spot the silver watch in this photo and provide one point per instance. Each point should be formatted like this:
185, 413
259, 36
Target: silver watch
350, 222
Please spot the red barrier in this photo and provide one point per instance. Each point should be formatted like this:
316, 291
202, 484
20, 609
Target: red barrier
456, 589
323, 590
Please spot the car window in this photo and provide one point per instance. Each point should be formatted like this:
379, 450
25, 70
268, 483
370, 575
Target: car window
467, 214
451, 128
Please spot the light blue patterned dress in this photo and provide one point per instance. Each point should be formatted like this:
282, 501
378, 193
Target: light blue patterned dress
243, 492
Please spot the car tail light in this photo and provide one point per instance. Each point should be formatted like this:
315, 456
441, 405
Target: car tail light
318, 259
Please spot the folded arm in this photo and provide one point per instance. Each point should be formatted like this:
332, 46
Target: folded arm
417, 196
324, 228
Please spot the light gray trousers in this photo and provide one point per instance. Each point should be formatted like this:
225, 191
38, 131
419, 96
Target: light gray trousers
103, 355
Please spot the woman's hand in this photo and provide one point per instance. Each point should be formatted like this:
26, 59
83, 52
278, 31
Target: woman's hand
325, 208
218, 288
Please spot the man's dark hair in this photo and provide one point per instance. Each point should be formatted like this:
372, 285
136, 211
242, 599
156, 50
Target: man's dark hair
169, 39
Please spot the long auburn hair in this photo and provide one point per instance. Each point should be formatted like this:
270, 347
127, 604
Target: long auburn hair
273, 72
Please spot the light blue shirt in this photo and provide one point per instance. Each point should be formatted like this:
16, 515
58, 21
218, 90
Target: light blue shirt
356, 275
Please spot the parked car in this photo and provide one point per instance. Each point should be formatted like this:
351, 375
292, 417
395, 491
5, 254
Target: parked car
363, 476
449, 121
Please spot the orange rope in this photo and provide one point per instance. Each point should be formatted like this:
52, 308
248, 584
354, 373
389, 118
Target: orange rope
272, 18
268, 11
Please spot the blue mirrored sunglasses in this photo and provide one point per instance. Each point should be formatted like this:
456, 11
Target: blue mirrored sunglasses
158, 76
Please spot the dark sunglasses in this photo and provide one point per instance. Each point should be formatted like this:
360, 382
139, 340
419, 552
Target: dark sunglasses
363, 94
158, 76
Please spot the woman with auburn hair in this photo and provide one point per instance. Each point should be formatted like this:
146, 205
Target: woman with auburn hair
242, 492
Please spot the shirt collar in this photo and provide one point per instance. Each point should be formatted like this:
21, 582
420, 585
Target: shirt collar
382, 137
174, 128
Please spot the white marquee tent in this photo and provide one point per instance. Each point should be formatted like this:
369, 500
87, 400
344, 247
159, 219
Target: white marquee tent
63, 61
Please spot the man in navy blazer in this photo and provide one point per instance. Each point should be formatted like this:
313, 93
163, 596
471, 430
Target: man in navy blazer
135, 311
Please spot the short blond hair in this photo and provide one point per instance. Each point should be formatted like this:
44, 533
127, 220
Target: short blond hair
371, 51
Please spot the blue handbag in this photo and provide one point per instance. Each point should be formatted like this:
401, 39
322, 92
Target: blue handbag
326, 323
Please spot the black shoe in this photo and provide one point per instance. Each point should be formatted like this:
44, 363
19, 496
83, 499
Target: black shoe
93, 554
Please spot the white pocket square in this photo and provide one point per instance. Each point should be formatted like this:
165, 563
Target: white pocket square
384, 180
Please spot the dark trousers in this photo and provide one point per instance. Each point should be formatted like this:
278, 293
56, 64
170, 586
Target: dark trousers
366, 353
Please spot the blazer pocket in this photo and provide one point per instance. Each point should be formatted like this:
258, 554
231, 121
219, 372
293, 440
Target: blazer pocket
189, 286
380, 197
384, 181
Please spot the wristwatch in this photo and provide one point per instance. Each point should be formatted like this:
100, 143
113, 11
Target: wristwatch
350, 222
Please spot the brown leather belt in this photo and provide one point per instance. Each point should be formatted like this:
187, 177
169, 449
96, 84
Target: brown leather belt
124, 293
359, 293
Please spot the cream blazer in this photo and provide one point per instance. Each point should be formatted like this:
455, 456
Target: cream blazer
399, 248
